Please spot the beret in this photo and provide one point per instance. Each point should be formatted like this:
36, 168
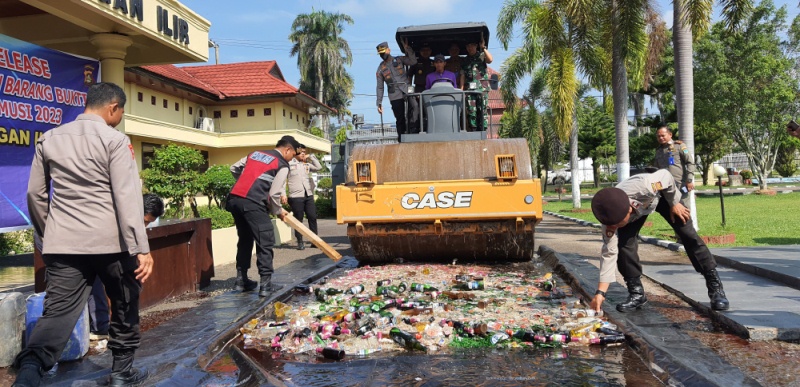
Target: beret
610, 205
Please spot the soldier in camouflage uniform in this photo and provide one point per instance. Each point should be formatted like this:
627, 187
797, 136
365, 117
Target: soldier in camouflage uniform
674, 156
473, 69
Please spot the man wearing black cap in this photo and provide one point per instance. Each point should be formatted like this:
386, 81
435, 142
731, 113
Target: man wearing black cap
423, 67
260, 181
623, 210
392, 72
440, 74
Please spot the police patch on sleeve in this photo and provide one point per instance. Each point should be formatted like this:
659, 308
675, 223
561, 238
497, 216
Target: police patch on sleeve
657, 186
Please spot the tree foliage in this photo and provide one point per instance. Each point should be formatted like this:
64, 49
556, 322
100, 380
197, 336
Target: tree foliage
217, 183
173, 175
596, 138
322, 55
746, 79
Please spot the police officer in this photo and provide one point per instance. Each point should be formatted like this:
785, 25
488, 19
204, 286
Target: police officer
392, 72
301, 191
623, 210
673, 155
260, 181
85, 201
423, 67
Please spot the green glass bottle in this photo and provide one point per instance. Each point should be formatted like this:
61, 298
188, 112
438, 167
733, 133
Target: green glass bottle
355, 289
406, 340
422, 287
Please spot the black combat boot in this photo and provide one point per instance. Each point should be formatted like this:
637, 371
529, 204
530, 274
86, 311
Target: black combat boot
122, 371
243, 284
267, 286
28, 375
636, 298
300, 244
715, 292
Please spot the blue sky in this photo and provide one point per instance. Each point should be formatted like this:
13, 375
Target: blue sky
251, 30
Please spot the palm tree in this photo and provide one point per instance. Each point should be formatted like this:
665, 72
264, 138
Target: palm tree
562, 36
321, 51
691, 19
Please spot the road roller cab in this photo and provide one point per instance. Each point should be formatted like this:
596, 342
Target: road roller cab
446, 193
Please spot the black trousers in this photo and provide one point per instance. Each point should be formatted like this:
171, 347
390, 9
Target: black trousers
628, 261
69, 283
305, 206
405, 124
253, 225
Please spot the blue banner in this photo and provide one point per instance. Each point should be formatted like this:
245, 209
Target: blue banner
39, 90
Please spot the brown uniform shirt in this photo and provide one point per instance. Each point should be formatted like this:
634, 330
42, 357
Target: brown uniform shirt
96, 203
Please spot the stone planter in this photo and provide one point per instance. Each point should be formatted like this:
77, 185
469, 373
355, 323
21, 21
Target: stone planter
224, 241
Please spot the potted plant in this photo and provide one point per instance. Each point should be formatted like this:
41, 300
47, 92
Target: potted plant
747, 175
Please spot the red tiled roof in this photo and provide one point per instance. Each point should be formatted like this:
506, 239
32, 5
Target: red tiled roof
242, 79
246, 79
177, 74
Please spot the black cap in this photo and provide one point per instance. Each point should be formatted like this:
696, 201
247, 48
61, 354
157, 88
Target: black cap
382, 47
610, 205
438, 57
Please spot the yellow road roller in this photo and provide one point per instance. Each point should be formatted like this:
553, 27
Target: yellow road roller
445, 193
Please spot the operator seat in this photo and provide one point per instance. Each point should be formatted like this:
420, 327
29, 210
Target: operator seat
443, 106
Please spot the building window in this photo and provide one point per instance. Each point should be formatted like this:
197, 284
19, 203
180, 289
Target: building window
177, 107
290, 115
298, 118
234, 113
204, 167
190, 111
267, 111
153, 100
148, 152
217, 114
251, 112
304, 120
284, 112
200, 113
140, 96
165, 104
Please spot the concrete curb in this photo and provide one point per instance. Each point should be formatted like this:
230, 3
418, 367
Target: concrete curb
670, 354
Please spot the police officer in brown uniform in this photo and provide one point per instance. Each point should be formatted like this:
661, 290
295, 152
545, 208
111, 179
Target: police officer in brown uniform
90, 225
423, 67
674, 156
392, 72
622, 210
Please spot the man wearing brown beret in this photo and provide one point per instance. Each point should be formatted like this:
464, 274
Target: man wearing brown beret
623, 210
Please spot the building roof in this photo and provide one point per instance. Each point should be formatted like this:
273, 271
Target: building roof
245, 79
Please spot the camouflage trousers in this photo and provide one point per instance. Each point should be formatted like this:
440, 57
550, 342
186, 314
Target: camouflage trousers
477, 111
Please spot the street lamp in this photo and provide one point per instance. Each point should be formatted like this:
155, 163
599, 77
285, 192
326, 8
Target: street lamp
719, 171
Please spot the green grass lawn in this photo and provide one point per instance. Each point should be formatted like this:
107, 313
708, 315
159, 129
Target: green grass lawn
755, 219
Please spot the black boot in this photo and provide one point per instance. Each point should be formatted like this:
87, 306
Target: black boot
28, 375
243, 284
636, 298
267, 286
715, 292
301, 245
122, 371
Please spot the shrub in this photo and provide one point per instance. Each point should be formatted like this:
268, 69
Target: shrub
173, 175
217, 183
746, 174
219, 217
325, 187
16, 242
325, 207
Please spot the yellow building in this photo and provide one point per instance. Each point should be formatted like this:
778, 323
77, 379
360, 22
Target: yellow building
225, 111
